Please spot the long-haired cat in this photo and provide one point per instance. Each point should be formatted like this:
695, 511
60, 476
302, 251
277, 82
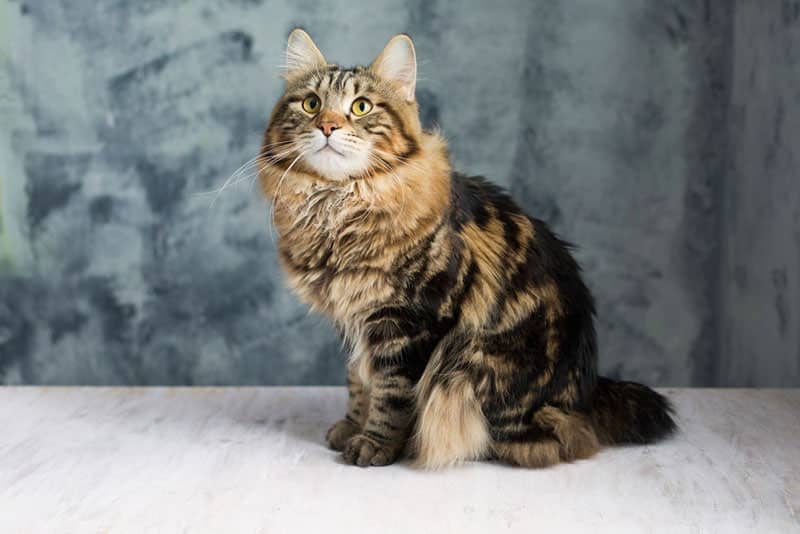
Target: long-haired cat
470, 329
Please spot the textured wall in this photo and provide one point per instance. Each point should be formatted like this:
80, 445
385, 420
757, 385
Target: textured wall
608, 119
760, 312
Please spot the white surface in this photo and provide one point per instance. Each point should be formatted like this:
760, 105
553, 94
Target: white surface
253, 460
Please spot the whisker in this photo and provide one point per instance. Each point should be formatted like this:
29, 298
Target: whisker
231, 178
276, 199
250, 168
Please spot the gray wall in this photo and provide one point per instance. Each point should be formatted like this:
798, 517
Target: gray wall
760, 308
656, 135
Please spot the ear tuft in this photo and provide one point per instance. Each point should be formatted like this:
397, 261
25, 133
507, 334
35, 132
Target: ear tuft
398, 63
302, 55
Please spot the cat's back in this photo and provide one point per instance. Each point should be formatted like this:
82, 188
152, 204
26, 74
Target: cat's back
519, 261
499, 235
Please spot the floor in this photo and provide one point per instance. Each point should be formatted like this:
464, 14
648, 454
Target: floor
253, 460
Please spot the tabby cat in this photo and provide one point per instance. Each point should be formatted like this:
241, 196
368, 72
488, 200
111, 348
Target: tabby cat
471, 332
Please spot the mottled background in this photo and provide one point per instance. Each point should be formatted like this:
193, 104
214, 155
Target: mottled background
659, 136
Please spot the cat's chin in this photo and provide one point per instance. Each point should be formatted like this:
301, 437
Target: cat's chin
334, 165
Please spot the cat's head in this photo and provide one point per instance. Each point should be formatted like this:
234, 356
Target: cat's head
340, 123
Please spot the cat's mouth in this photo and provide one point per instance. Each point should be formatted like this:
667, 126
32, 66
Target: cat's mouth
334, 157
328, 147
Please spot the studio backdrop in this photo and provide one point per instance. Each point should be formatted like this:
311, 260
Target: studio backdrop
660, 137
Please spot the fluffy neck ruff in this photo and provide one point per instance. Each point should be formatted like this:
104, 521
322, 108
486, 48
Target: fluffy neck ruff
414, 192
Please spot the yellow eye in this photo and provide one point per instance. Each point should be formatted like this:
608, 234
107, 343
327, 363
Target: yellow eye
361, 106
311, 104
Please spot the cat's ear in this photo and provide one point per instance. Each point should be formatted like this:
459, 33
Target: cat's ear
398, 63
302, 55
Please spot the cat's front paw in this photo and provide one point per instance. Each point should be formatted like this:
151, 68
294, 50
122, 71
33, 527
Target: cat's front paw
362, 450
340, 432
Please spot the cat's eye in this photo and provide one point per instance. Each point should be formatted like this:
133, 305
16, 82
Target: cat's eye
361, 106
311, 104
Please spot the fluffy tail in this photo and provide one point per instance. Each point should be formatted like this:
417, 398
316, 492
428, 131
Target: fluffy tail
627, 412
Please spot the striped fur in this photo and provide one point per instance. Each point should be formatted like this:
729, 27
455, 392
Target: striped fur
471, 331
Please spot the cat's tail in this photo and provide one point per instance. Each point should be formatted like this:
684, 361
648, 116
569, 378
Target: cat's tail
627, 412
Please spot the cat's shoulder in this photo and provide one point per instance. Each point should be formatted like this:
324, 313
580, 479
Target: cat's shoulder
478, 199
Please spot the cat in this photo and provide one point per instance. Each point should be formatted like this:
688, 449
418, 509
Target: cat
470, 329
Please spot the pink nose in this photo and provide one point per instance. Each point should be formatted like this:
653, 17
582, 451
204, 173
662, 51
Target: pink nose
328, 127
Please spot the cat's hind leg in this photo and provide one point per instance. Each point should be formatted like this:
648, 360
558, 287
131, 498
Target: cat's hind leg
450, 425
555, 436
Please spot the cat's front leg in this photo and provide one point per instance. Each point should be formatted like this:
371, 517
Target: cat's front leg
389, 419
391, 357
357, 406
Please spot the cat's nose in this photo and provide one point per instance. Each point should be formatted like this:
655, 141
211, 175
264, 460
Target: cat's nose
328, 121
328, 127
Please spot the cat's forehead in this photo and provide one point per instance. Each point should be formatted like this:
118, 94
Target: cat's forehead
335, 79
